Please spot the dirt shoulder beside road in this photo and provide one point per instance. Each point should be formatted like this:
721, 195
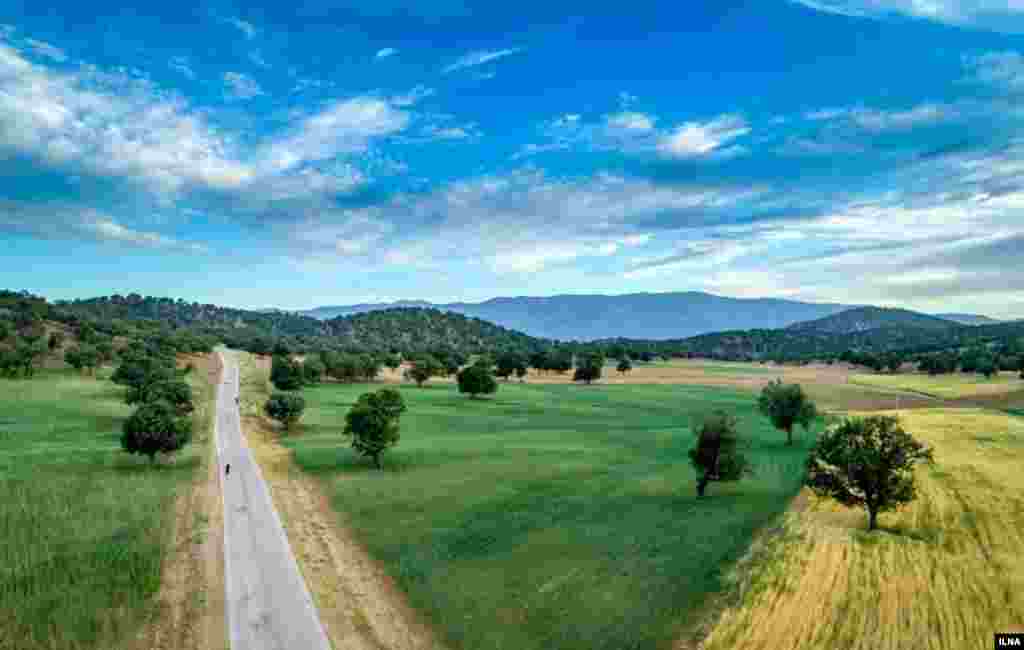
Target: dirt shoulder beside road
359, 605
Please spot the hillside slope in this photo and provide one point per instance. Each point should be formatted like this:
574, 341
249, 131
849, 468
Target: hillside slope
865, 319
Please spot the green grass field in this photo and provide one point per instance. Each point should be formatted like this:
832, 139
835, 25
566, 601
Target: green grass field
955, 386
552, 516
82, 525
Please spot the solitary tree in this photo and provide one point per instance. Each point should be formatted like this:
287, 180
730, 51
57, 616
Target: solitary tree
866, 462
155, 428
786, 405
285, 373
625, 365
373, 423
987, 366
521, 371
175, 392
422, 369
507, 364
718, 455
313, 370
589, 367
477, 380
286, 408
55, 340
894, 362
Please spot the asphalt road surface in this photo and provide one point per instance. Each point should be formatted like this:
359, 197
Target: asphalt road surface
268, 605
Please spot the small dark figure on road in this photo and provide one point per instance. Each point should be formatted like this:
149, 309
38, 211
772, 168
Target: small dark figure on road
227, 469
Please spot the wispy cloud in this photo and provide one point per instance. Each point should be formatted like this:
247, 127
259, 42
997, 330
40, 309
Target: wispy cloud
630, 121
344, 126
76, 120
1004, 70
412, 97
694, 139
182, 65
998, 15
479, 58
241, 86
527, 221
243, 26
878, 120
61, 221
386, 52
45, 49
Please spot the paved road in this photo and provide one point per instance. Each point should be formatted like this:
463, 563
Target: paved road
268, 605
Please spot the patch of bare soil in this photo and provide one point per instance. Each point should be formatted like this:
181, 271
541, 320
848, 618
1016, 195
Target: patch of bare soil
360, 606
189, 612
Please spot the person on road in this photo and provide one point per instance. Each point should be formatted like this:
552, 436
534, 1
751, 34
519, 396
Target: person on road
227, 469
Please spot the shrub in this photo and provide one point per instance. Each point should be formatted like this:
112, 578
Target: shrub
286, 408
718, 455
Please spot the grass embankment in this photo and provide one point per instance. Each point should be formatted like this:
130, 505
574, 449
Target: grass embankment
83, 526
945, 572
551, 516
954, 386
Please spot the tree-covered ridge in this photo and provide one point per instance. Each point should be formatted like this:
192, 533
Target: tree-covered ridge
411, 330
181, 313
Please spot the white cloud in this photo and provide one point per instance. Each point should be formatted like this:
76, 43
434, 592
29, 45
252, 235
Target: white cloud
451, 132
630, 121
999, 15
1002, 69
245, 27
879, 120
46, 50
412, 97
386, 52
67, 222
345, 126
258, 59
181, 64
241, 86
110, 125
479, 58
526, 221
694, 139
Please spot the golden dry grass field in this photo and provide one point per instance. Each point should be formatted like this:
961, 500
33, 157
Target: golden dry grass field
955, 386
829, 386
945, 572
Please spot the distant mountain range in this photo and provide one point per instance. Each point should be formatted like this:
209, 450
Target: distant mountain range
969, 319
652, 316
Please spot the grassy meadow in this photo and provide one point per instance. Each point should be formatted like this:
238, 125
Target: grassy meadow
953, 386
83, 526
551, 516
944, 572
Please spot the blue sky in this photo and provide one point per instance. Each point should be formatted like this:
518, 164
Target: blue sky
307, 153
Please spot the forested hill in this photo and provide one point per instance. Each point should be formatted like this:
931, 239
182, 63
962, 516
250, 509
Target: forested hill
795, 343
411, 329
181, 313
405, 330
864, 319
